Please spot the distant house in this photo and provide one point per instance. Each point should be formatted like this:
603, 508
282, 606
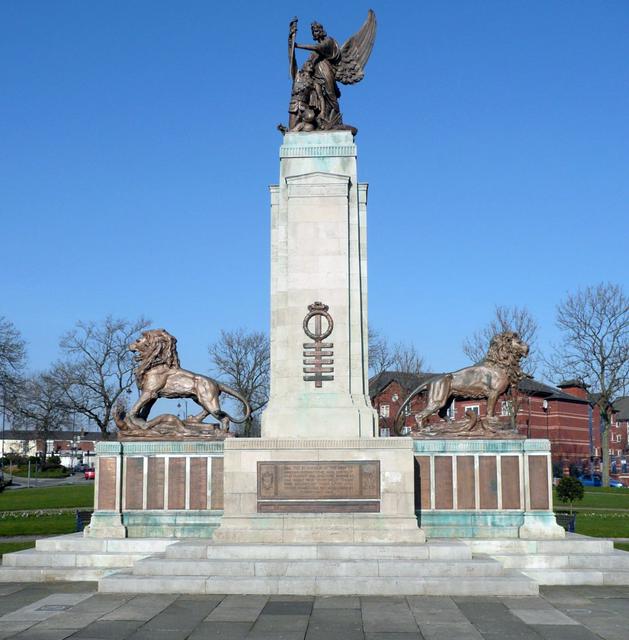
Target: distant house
72, 448
563, 414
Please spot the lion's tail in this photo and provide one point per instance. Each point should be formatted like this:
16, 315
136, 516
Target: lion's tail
232, 392
399, 416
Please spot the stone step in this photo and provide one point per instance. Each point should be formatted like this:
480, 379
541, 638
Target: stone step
37, 558
511, 584
75, 542
577, 577
49, 574
572, 544
313, 568
617, 560
452, 550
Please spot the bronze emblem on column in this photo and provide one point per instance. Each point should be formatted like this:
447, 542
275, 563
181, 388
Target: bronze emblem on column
318, 355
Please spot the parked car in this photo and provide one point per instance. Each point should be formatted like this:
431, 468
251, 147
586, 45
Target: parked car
90, 474
595, 480
588, 480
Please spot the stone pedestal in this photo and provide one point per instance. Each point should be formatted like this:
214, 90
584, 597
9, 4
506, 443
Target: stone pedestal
319, 491
319, 474
319, 254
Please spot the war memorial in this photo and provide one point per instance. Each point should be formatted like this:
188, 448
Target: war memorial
320, 503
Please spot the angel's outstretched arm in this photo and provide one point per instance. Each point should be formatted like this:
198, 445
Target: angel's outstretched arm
309, 47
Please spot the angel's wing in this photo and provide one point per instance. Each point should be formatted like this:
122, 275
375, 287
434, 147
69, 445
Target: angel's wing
356, 51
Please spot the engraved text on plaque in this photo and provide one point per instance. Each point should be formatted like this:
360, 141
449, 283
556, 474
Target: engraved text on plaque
319, 486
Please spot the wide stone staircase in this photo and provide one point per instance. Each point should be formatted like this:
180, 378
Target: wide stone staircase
73, 557
576, 560
436, 568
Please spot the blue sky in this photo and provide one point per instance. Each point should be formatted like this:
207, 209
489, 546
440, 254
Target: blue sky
137, 142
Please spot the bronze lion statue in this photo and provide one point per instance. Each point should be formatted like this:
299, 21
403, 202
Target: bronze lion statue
159, 375
489, 379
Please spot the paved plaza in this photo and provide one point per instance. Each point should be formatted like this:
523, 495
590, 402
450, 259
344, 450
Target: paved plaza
57, 611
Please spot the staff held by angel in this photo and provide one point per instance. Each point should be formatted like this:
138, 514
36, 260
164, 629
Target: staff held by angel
314, 102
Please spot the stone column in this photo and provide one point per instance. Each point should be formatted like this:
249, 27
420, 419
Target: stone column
318, 254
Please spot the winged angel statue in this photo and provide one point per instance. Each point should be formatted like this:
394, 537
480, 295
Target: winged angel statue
314, 103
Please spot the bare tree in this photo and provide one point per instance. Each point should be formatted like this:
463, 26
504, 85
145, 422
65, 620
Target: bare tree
400, 356
595, 349
12, 360
242, 361
98, 369
380, 353
515, 318
40, 406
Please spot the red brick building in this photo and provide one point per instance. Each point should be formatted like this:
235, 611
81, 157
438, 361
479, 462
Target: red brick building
562, 414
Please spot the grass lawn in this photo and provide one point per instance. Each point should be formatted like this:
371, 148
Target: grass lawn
22, 472
621, 546
603, 524
10, 547
599, 498
79, 495
38, 525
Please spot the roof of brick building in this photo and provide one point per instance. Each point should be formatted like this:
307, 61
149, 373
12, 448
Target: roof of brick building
410, 381
622, 407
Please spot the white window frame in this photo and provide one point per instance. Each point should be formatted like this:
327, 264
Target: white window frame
506, 407
472, 407
384, 411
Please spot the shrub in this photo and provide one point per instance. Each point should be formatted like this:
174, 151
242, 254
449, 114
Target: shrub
569, 490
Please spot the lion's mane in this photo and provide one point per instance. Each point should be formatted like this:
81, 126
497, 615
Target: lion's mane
156, 347
506, 349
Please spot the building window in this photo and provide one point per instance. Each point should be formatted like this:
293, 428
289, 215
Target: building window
506, 408
407, 409
395, 397
384, 410
452, 411
474, 408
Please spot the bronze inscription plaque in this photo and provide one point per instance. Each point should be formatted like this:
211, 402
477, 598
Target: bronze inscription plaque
319, 486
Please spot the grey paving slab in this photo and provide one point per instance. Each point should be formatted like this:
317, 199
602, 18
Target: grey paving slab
185, 613
495, 621
238, 609
332, 623
143, 607
564, 595
543, 616
246, 601
268, 623
231, 614
431, 603
287, 598
109, 630
450, 631
221, 631
288, 607
392, 636
559, 632
6, 589
18, 599
68, 620
445, 616
526, 602
43, 634
51, 605
337, 602
616, 605
385, 616
283, 635
9, 629
610, 627
145, 633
